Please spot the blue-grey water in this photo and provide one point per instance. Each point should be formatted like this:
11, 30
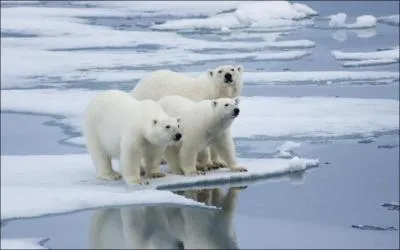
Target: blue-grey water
332, 206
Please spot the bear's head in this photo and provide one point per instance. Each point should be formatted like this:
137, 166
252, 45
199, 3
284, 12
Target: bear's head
227, 79
226, 108
165, 131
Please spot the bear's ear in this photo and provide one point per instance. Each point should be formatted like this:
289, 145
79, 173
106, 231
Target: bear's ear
214, 103
178, 119
210, 73
237, 100
155, 122
239, 68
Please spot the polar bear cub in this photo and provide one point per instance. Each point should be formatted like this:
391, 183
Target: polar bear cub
118, 126
223, 81
203, 122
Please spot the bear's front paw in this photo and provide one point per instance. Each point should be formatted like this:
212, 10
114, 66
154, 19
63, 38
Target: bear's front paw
217, 165
156, 175
130, 180
113, 176
239, 169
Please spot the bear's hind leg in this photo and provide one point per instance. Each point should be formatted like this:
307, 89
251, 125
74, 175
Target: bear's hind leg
102, 161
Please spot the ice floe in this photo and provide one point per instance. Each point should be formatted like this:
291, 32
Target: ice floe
370, 58
61, 62
252, 13
15, 79
175, 8
339, 21
286, 149
260, 116
66, 183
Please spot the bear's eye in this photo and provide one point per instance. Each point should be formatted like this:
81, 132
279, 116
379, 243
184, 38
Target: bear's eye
226, 105
167, 127
232, 69
220, 71
178, 126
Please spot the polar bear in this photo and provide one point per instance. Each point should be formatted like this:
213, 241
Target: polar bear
203, 122
223, 81
118, 126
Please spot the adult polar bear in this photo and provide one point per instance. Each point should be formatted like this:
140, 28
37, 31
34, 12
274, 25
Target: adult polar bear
118, 126
224, 81
213, 127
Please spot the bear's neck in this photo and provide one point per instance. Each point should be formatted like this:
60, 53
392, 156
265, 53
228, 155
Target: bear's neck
218, 125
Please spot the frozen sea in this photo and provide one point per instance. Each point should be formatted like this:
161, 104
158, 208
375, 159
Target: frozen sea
318, 84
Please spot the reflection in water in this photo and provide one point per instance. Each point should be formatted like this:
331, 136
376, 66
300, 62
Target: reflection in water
151, 227
341, 34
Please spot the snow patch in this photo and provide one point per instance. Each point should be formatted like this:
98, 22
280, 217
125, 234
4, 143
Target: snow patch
65, 183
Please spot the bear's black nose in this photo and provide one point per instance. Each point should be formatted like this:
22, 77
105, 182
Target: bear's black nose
236, 111
178, 136
228, 77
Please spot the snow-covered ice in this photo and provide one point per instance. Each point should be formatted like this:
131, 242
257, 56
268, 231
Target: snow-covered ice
260, 116
23, 243
247, 13
339, 21
368, 58
61, 29
50, 184
175, 8
63, 62
250, 78
392, 19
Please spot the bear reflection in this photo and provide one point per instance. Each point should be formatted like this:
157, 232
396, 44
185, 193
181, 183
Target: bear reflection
162, 227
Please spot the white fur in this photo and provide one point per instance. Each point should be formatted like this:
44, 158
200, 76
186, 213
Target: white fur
210, 85
203, 122
118, 126
166, 227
